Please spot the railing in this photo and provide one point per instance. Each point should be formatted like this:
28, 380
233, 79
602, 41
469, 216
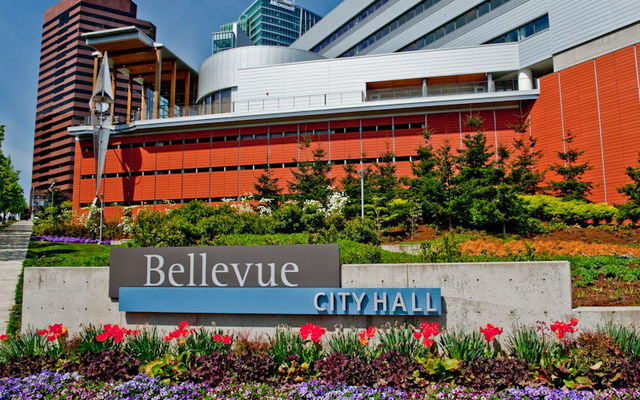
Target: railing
297, 102
315, 101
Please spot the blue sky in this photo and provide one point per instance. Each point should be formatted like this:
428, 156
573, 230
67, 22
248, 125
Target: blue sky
184, 26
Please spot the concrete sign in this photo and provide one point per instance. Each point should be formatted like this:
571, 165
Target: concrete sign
296, 266
281, 301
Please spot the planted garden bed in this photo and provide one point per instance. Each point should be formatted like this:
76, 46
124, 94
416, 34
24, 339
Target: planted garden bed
555, 361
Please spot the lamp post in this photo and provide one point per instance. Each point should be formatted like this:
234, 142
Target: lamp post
101, 119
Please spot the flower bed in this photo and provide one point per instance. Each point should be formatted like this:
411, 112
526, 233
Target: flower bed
55, 385
388, 361
67, 239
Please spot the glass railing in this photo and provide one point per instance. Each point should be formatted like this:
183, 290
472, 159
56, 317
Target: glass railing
293, 103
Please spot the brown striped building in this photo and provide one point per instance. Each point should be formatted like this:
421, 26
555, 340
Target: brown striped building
65, 83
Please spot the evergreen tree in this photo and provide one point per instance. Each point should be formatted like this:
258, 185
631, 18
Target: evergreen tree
572, 186
11, 194
352, 188
311, 181
526, 179
474, 204
267, 186
447, 189
426, 185
384, 178
631, 209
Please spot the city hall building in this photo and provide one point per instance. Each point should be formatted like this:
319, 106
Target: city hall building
366, 79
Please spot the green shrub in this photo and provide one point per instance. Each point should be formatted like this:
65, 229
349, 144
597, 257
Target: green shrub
288, 218
526, 343
627, 338
549, 208
357, 253
346, 341
147, 345
399, 339
361, 230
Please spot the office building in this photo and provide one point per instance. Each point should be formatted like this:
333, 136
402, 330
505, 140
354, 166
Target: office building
569, 66
65, 83
273, 22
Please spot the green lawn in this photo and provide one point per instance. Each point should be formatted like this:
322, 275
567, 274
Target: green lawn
45, 254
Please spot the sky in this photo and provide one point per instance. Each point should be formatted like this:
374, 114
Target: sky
184, 26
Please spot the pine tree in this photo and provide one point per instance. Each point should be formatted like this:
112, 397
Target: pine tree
352, 188
474, 204
425, 185
384, 178
572, 186
311, 181
526, 179
631, 209
267, 186
445, 178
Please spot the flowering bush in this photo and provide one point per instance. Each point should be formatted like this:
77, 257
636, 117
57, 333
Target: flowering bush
490, 332
311, 331
67, 239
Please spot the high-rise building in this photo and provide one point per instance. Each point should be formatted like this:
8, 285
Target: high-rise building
65, 83
274, 22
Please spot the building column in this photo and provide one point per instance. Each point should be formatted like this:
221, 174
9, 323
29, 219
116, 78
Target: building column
172, 96
491, 84
424, 88
143, 103
114, 74
156, 92
525, 79
187, 87
128, 99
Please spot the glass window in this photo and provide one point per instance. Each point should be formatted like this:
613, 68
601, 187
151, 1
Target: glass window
495, 4
483, 9
472, 15
460, 22
216, 103
226, 100
450, 27
541, 24
512, 36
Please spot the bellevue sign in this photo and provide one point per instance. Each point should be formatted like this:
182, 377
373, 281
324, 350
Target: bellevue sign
298, 279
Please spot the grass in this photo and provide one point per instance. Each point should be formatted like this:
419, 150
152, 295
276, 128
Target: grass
46, 254
584, 270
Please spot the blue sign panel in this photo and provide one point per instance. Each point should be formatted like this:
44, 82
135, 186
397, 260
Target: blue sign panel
300, 301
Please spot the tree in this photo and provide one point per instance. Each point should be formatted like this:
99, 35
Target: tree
476, 179
384, 177
485, 197
267, 186
572, 186
445, 177
425, 185
353, 189
526, 179
311, 181
11, 194
631, 209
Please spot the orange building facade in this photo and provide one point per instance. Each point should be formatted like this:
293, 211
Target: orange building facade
210, 160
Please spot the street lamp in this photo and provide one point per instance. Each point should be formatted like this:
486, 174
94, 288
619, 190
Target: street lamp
101, 120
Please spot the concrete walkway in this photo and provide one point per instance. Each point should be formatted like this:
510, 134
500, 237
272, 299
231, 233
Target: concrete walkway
14, 241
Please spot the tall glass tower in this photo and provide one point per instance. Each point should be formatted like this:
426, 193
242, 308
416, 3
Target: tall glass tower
274, 22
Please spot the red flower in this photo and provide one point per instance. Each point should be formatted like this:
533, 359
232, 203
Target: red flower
226, 339
42, 332
3, 337
490, 332
167, 338
316, 333
364, 341
362, 334
427, 342
52, 338
305, 330
217, 338
561, 328
417, 335
371, 331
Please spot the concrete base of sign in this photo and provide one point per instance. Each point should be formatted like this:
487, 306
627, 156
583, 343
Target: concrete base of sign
504, 294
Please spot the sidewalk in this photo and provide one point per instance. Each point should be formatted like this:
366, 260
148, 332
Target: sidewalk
14, 241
